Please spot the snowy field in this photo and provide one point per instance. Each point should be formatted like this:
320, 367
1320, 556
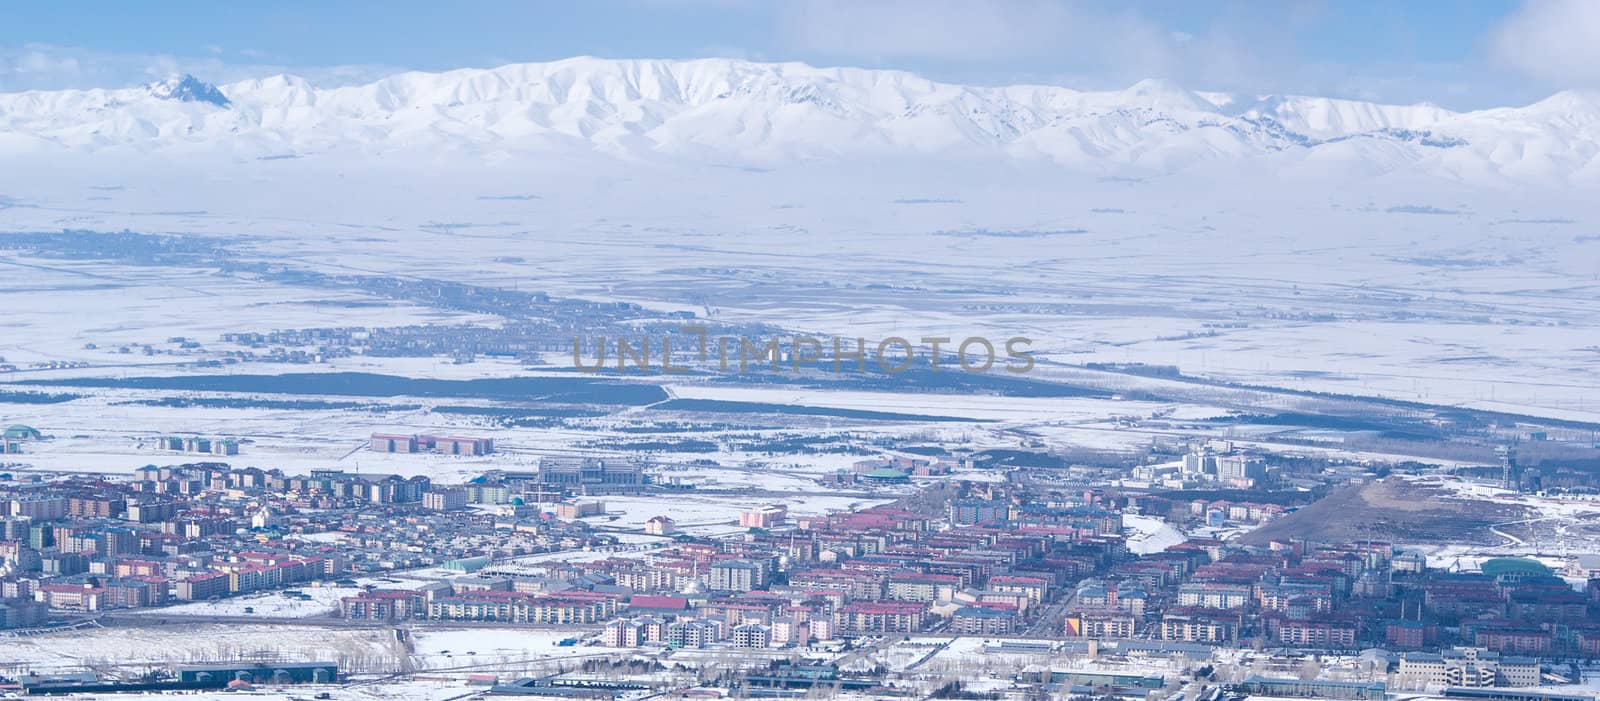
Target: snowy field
1349, 291
450, 651
1149, 534
498, 649
368, 649
112, 430
324, 603
106, 431
1363, 313
1338, 256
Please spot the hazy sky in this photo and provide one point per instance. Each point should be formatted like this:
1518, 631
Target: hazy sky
1460, 54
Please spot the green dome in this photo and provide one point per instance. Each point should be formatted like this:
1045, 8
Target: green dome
885, 473
1514, 565
21, 432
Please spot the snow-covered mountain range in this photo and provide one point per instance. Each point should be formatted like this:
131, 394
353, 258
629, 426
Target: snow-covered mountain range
717, 110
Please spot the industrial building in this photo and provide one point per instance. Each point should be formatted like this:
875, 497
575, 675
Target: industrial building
576, 476
277, 673
445, 445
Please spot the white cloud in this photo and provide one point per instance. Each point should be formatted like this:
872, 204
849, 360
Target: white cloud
1556, 41
1247, 49
1086, 44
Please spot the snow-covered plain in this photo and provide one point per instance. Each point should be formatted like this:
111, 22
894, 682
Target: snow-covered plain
1396, 251
1316, 288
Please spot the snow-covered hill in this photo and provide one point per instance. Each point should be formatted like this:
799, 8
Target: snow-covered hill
723, 111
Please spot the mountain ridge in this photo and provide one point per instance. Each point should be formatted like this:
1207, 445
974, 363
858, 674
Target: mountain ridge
707, 110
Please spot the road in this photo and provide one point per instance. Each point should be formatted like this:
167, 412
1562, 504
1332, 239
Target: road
1048, 625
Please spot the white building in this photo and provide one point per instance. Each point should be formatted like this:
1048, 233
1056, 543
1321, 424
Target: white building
737, 575
660, 525
1469, 667
765, 516
752, 635
1214, 595
693, 633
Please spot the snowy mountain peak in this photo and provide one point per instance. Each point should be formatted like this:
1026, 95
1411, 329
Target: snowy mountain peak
188, 88
1160, 94
725, 111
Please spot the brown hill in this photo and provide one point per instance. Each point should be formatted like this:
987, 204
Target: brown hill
1393, 510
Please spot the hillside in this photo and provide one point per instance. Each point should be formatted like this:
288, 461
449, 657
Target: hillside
1392, 510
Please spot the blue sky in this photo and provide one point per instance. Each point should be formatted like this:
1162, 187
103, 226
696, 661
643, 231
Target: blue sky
1460, 54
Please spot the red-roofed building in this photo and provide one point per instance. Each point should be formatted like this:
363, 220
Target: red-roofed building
658, 604
71, 597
